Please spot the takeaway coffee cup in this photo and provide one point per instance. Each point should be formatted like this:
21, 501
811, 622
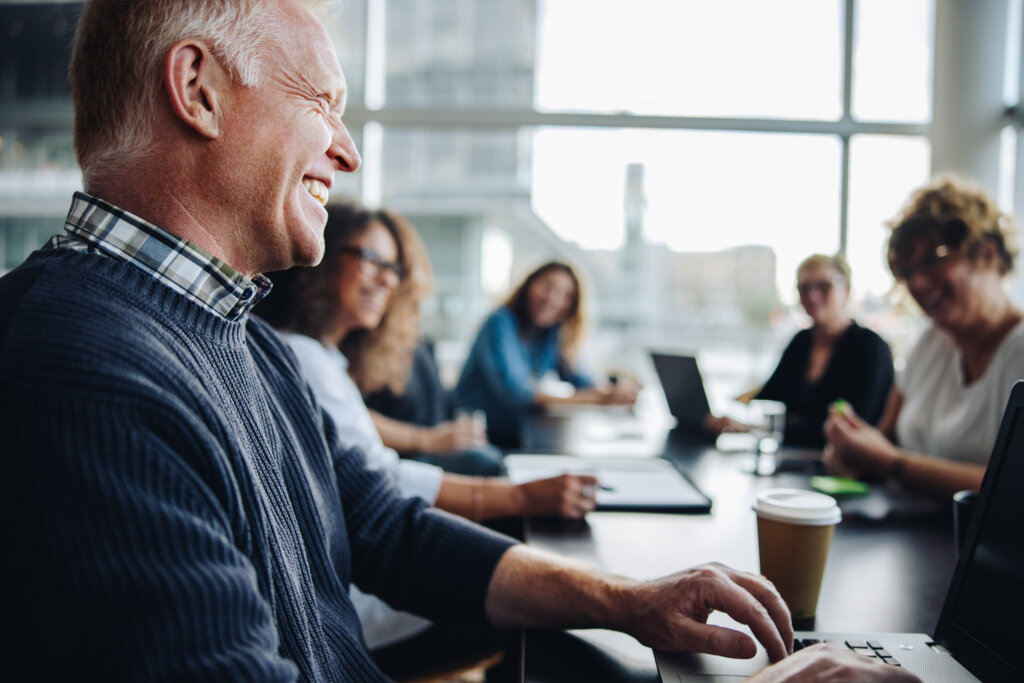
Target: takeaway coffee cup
794, 531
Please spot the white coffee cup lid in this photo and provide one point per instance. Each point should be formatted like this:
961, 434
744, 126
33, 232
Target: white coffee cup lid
798, 507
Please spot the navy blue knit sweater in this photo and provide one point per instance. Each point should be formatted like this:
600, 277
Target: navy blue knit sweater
176, 505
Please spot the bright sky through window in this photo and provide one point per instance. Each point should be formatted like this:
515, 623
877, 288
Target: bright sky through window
730, 58
751, 58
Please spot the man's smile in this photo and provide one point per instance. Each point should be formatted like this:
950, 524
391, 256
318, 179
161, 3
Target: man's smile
316, 188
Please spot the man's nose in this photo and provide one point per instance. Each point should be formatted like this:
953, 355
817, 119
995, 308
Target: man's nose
343, 149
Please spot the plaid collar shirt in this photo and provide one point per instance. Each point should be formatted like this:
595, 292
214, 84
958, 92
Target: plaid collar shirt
95, 226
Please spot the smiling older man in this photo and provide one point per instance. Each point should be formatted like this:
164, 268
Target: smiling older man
177, 506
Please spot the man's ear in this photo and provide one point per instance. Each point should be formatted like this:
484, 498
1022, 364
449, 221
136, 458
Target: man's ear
195, 83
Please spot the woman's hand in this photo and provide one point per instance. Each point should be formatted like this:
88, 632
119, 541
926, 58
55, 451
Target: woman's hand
567, 495
452, 436
716, 425
854, 446
623, 394
608, 395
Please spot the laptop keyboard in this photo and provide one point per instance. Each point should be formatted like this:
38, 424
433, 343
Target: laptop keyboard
868, 648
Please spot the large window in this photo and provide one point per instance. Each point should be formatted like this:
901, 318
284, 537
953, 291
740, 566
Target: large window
892, 61
704, 191
687, 155
732, 58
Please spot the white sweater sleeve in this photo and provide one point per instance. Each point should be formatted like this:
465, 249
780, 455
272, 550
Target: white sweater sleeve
326, 370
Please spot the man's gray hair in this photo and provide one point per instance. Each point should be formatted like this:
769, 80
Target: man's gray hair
118, 58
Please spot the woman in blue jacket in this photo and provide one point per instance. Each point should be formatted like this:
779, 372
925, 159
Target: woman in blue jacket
536, 332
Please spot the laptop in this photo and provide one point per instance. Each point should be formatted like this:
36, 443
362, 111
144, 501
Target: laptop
684, 388
980, 632
627, 484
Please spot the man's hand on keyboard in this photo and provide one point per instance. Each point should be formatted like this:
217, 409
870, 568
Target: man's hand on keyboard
532, 589
831, 664
671, 613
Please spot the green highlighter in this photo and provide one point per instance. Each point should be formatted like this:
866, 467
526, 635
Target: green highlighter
838, 486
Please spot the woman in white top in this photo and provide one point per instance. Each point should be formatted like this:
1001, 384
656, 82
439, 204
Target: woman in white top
951, 247
364, 299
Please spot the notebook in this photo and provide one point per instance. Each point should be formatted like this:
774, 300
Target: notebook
640, 484
684, 388
980, 630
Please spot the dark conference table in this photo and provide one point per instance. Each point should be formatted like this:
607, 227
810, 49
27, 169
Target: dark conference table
889, 566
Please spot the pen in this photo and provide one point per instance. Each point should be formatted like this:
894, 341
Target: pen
591, 489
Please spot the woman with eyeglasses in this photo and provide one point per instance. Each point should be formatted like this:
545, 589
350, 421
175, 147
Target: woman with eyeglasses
353, 322
834, 359
951, 248
535, 333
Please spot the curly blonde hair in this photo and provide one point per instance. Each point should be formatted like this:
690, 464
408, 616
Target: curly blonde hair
571, 332
304, 300
951, 212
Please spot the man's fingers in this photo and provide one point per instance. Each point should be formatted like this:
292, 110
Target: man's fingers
765, 592
719, 640
745, 608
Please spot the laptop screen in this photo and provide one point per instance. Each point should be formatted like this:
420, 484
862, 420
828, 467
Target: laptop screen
683, 386
982, 622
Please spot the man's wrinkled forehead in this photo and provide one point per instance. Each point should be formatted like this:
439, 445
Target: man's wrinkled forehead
303, 36
322, 13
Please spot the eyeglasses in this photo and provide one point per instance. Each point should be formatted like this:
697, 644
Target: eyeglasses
373, 265
823, 287
928, 264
